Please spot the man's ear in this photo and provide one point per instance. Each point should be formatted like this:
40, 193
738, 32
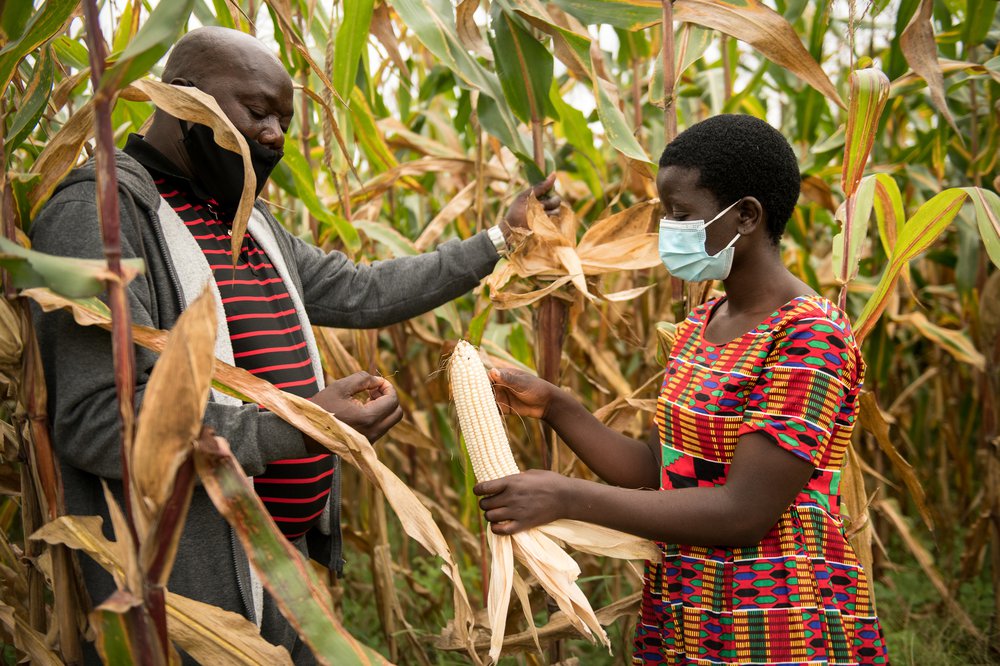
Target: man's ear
751, 215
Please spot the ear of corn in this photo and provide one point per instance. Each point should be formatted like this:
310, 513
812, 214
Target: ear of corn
537, 549
478, 415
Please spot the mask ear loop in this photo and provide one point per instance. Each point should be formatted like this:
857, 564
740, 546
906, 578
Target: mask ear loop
731, 243
721, 213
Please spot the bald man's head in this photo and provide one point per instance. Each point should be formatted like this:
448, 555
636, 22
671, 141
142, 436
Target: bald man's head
242, 74
204, 52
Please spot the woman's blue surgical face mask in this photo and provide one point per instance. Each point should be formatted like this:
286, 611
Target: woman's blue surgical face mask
682, 250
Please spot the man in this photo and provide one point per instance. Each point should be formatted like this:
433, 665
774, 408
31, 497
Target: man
178, 193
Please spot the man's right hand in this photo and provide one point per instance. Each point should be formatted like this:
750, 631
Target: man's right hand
517, 214
371, 418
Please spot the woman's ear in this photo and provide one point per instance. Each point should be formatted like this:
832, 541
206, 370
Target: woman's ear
751, 215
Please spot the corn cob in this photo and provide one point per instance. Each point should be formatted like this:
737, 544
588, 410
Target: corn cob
478, 416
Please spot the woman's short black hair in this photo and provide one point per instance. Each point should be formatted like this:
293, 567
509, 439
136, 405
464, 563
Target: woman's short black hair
738, 156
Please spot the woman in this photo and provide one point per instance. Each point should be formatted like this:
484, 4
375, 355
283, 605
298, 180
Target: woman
755, 413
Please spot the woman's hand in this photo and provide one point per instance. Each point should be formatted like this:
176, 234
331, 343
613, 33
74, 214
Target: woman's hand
522, 501
521, 393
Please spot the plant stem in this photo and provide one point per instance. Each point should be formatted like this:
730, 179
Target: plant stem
121, 329
669, 73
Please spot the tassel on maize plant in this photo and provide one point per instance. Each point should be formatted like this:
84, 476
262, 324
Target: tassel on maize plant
489, 450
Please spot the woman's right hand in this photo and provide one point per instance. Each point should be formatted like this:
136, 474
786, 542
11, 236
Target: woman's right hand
521, 393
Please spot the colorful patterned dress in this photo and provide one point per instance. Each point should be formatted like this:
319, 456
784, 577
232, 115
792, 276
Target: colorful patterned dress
799, 596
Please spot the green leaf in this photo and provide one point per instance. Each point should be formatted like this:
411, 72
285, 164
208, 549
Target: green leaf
157, 34
869, 92
930, 220
43, 24
71, 52
222, 15
14, 17
31, 104
853, 216
369, 135
496, 119
575, 53
123, 34
352, 36
889, 211
626, 14
115, 626
433, 22
305, 189
73, 278
523, 64
571, 48
979, 16
690, 45
988, 219
398, 244
573, 125
301, 596
616, 127
478, 325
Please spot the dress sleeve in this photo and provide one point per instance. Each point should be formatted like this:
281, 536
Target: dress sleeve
808, 387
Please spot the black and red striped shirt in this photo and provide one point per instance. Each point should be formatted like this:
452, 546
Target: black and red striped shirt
266, 335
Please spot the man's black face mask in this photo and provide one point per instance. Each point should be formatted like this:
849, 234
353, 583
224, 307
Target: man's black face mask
217, 173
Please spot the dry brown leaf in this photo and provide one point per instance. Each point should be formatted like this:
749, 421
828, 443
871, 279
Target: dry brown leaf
953, 341
764, 29
504, 300
215, 636
920, 49
557, 573
10, 338
171, 416
27, 639
604, 541
856, 503
548, 250
190, 104
501, 584
388, 179
458, 205
468, 31
602, 360
399, 135
874, 420
60, 155
636, 220
210, 634
336, 358
381, 27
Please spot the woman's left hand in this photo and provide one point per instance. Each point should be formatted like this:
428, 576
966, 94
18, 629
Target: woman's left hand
522, 501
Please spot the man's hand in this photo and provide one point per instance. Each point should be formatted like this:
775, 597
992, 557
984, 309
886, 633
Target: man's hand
372, 418
517, 214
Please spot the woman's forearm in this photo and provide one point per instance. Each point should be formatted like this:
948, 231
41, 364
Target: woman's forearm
617, 459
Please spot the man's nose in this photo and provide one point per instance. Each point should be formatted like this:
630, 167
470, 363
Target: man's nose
272, 135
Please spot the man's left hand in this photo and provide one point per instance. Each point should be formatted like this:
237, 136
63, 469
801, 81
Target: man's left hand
372, 418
